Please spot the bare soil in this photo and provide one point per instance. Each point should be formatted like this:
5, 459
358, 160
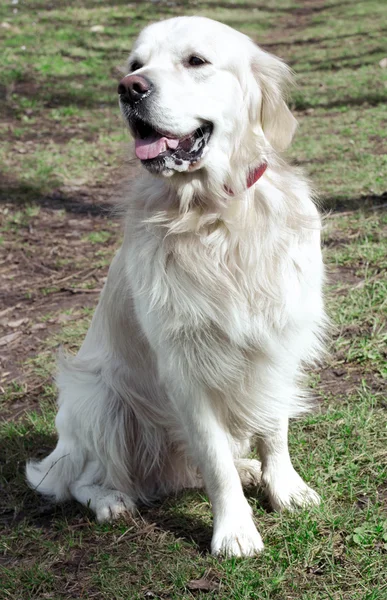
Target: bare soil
51, 268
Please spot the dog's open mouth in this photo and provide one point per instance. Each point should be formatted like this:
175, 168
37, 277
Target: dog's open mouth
159, 150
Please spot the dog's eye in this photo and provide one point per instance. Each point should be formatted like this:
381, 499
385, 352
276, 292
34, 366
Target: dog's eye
196, 61
135, 66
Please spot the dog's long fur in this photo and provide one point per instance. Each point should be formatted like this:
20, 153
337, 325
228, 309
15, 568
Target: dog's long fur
212, 307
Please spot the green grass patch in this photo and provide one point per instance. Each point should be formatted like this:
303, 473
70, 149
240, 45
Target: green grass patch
338, 548
59, 77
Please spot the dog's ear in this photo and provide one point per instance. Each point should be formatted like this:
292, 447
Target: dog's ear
274, 78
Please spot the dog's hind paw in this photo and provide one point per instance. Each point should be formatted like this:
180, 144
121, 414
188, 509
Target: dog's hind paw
289, 491
113, 506
249, 471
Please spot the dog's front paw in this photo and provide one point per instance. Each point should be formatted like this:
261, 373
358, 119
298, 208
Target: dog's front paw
236, 539
288, 491
113, 506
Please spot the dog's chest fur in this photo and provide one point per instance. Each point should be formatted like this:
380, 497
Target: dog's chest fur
221, 290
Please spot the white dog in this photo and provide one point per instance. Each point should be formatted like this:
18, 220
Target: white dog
213, 304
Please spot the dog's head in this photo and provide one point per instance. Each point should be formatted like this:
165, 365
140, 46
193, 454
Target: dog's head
202, 97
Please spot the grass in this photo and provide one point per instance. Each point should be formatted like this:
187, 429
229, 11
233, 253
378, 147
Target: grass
330, 552
357, 246
61, 138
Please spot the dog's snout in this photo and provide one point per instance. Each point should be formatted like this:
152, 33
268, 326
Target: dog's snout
133, 88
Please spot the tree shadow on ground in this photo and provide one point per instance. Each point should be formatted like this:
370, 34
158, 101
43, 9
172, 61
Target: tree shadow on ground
336, 63
367, 202
82, 201
59, 93
370, 99
320, 40
98, 202
309, 8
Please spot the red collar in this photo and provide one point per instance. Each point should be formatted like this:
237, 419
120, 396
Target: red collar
252, 177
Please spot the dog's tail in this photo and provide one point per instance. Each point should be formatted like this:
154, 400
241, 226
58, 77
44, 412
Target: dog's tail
54, 474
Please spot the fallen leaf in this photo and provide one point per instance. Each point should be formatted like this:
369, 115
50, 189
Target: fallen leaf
8, 339
81, 224
207, 583
97, 28
339, 372
38, 326
17, 323
7, 310
63, 318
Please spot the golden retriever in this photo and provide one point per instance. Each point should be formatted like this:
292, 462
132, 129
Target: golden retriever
213, 304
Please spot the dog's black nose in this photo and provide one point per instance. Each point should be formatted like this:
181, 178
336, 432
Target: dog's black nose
133, 88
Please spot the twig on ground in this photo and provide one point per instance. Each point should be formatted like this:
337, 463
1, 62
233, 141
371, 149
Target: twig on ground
80, 290
140, 532
52, 466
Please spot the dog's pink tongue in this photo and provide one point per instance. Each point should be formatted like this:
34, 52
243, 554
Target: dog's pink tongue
153, 146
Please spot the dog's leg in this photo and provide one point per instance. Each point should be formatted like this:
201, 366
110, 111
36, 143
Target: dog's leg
284, 486
108, 504
234, 531
249, 471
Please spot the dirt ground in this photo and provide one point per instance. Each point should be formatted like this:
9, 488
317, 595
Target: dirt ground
49, 269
